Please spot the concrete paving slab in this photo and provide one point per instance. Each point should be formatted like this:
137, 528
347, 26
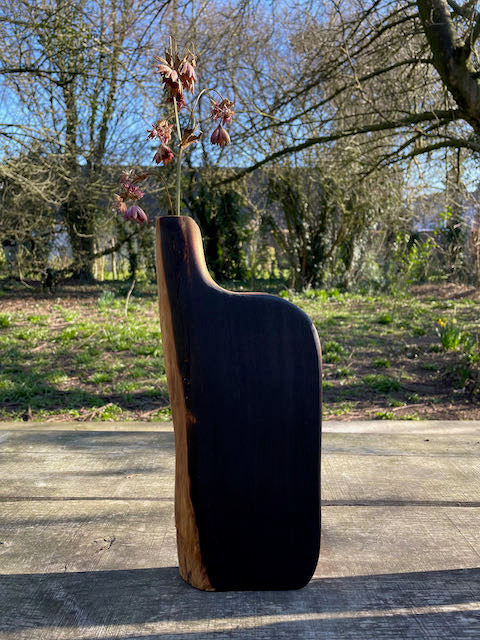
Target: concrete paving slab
87, 539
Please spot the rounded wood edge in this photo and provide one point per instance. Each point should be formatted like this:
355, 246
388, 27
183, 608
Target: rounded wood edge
191, 566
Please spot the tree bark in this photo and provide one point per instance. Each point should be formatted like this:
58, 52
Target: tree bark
452, 57
82, 238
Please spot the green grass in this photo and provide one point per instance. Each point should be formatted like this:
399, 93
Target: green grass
82, 357
333, 351
381, 363
5, 320
384, 318
381, 383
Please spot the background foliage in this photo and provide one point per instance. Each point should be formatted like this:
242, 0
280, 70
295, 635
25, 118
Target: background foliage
353, 152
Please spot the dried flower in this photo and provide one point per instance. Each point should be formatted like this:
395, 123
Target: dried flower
168, 73
189, 137
222, 110
163, 154
186, 72
162, 130
220, 136
180, 102
132, 191
170, 77
136, 213
178, 73
127, 176
120, 204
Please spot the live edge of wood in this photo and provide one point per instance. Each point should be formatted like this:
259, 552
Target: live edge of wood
244, 379
190, 561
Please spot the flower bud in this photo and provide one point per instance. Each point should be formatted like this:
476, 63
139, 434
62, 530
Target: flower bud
220, 136
136, 213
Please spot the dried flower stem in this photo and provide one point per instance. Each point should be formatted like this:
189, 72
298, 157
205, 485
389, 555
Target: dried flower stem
179, 160
128, 298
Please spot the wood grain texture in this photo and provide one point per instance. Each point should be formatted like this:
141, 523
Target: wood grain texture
244, 376
88, 550
190, 561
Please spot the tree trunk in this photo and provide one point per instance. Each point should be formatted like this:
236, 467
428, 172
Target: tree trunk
80, 227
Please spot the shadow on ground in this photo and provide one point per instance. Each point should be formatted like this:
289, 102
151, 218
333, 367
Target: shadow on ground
110, 604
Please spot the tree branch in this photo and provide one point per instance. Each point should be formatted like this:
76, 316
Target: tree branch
448, 115
452, 58
118, 245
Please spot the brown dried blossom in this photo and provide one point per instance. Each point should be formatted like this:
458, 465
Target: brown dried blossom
223, 111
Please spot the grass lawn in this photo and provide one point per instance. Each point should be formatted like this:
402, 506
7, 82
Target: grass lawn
78, 355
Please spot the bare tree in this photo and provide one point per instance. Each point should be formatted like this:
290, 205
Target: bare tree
363, 70
71, 73
392, 80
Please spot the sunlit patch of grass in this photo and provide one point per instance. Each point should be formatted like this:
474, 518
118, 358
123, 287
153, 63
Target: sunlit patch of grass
68, 334
127, 386
163, 415
87, 356
333, 352
41, 319
101, 377
57, 377
137, 372
6, 384
132, 337
106, 300
384, 318
344, 372
110, 412
395, 402
382, 383
339, 408
5, 320
70, 315
74, 369
381, 363
154, 348
385, 415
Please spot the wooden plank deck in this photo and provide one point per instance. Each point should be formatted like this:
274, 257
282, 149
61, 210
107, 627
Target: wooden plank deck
87, 539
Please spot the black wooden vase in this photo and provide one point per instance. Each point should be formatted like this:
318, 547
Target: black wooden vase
244, 378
